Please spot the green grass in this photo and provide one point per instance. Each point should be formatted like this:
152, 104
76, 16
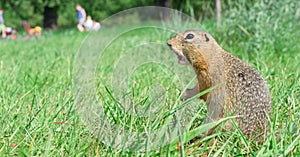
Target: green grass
39, 116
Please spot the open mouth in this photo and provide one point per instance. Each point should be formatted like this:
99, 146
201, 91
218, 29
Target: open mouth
181, 58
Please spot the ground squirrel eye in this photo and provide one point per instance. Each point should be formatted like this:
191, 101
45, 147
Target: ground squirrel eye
189, 36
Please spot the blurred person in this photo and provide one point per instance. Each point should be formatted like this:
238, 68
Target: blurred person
38, 31
13, 34
2, 26
89, 23
35, 31
81, 17
10, 33
96, 26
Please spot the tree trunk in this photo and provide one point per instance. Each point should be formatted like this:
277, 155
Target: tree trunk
168, 3
50, 17
163, 3
218, 11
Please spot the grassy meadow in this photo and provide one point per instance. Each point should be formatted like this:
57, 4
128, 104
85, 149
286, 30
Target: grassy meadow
38, 113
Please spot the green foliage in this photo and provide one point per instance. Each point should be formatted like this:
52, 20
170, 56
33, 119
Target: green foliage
102, 9
16, 11
200, 9
203, 9
32, 10
247, 27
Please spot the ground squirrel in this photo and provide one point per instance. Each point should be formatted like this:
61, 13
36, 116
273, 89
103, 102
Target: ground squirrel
242, 92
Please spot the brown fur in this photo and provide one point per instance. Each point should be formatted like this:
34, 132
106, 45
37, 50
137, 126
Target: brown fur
243, 91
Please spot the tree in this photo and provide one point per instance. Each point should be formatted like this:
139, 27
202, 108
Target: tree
163, 3
200, 9
218, 12
50, 13
53, 13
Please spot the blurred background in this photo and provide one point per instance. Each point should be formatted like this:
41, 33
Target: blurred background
61, 13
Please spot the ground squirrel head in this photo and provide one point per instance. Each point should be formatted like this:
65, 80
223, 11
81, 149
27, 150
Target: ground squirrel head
185, 43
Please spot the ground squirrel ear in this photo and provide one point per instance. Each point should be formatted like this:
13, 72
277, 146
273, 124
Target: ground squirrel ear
206, 38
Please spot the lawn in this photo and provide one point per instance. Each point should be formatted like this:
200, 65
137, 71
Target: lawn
40, 80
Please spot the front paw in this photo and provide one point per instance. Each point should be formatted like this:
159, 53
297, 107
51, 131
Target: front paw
184, 96
189, 93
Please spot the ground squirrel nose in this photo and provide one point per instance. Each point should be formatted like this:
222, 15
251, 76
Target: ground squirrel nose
169, 44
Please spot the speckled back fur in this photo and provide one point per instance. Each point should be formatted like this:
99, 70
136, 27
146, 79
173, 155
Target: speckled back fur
249, 95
